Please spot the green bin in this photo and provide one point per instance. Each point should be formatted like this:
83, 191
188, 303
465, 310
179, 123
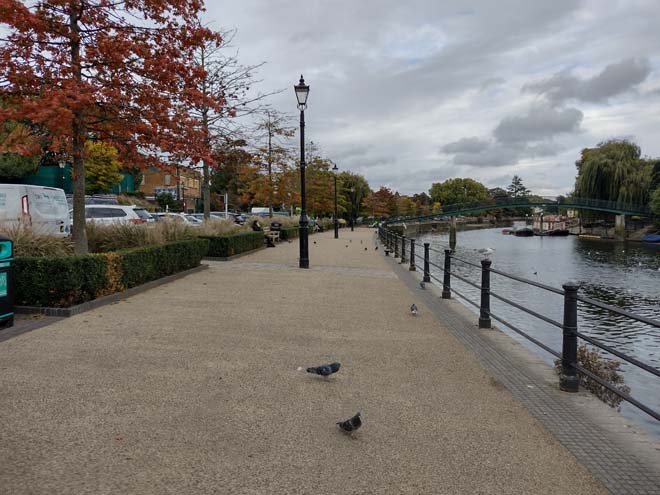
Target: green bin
6, 282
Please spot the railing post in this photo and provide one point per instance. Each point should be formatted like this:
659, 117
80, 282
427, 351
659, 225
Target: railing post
446, 281
484, 312
396, 245
403, 248
427, 267
568, 381
412, 267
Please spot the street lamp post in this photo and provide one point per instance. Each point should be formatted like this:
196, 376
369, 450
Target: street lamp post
335, 170
352, 190
302, 91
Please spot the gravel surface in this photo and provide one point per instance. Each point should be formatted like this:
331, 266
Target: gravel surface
193, 387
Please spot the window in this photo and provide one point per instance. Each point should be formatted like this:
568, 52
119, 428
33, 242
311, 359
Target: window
142, 213
104, 213
168, 179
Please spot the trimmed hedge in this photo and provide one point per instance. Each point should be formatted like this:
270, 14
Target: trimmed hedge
230, 245
60, 282
141, 265
289, 233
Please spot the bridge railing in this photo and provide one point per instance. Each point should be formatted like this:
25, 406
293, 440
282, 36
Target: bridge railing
570, 366
525, 202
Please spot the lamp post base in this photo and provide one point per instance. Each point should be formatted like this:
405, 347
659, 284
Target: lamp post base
304, 245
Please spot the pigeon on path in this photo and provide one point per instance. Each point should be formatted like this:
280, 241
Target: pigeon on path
351, 425
413, 309
422, 285
324, 370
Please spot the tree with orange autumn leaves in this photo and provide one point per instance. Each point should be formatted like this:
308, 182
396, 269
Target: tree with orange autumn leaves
120, 72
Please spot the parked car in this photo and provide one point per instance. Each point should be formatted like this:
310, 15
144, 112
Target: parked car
177, 217
213, 214
109, 214
43, 208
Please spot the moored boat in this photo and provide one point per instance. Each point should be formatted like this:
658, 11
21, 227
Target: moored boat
524, 232
651, 238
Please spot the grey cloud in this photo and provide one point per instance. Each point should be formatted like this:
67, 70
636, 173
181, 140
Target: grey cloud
466, 145
498, 154
541, 122
615, 79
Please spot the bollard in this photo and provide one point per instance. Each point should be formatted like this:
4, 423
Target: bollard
427, 267
396, 246
484, 311
446, 282
568, 381
412, 267
403, 249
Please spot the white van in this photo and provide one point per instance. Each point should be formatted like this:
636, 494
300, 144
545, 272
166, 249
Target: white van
43, 208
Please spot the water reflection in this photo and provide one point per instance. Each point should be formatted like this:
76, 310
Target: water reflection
623, 275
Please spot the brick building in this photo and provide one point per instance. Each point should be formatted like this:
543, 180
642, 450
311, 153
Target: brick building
181, 182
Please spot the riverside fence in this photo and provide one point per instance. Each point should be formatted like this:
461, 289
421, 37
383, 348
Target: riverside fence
395, 244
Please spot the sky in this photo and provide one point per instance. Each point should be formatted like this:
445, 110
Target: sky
416, 92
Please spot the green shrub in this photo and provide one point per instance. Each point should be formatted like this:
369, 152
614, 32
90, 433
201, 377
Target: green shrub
230, 245
69, 280
146, 264
59, 281
289, 233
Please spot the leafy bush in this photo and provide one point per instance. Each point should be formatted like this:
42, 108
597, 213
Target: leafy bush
289, 233
608, 370
146, 264
28, 242
69, 280
230, 245
59, 281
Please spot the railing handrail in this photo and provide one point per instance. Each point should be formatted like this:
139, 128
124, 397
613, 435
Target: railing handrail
486, 268
525, 201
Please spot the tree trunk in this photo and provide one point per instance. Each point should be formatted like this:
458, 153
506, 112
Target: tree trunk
206, 190
79, 230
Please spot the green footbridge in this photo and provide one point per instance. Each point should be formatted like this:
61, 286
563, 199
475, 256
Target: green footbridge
615, 207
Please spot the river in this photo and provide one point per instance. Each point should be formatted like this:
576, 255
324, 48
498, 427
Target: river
626, 275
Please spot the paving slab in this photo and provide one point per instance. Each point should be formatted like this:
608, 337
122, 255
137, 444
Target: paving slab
193, 387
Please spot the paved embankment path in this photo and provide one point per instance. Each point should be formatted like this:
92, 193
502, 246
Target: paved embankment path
193, 387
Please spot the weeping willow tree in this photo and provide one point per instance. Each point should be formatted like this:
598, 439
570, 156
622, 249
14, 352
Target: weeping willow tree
614, 171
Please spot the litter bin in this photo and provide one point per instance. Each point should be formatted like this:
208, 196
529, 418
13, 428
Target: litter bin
6, 282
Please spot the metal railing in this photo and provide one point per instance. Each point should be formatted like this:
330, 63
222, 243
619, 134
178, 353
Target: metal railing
570, 367
524, 202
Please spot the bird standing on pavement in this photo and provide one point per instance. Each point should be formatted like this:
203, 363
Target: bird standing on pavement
413, 309
350, 425
422, 285
324, 370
